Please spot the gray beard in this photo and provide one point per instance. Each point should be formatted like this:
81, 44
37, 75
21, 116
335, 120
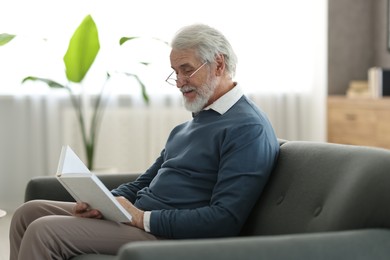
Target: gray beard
204, 93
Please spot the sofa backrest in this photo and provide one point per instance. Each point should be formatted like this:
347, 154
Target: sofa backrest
324, 187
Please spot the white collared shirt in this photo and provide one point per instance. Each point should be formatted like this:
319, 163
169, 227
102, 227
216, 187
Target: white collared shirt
224, 103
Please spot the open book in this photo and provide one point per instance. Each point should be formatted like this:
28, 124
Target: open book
85, 186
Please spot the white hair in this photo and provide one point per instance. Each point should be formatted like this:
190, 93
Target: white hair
208, 43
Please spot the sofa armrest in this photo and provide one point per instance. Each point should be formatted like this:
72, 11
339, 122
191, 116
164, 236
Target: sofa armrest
49, 188
353, 245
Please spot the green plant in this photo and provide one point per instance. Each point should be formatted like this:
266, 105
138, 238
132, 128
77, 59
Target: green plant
5, 38
78, 59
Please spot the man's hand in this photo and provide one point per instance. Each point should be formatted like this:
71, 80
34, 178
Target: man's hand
137, 214
83, 210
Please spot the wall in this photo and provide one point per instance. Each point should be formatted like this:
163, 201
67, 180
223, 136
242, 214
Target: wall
381, 53
357, 35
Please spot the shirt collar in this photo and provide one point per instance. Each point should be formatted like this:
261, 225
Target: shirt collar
224, 103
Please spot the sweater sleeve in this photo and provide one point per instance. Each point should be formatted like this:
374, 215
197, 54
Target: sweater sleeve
247, 156
129, 190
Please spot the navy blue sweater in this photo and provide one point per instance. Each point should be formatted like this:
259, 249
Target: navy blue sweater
210, 174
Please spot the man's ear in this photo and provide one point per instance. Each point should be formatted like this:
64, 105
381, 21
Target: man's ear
220, 61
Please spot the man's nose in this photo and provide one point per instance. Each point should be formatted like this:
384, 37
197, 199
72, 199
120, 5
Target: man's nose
180, 83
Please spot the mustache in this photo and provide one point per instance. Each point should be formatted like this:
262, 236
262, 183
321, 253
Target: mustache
187, 89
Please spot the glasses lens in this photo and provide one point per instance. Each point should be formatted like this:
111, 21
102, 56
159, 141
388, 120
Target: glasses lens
171, 81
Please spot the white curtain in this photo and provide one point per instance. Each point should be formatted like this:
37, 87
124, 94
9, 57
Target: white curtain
281, 46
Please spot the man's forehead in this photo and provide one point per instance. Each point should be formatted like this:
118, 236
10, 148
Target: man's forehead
180, 58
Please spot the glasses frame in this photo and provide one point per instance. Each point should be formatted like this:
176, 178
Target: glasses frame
173, 81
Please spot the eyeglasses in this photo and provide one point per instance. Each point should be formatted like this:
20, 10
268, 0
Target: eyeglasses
173, 79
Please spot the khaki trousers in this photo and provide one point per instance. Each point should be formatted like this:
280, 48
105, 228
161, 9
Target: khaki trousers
43, 229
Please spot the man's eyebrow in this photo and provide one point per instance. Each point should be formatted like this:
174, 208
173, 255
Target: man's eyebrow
183, 66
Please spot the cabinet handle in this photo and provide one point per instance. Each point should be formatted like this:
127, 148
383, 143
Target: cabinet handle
351, 117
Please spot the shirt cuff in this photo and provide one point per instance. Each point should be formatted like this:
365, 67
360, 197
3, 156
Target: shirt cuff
147, 221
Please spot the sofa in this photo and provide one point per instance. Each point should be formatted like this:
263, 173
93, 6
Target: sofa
322, 201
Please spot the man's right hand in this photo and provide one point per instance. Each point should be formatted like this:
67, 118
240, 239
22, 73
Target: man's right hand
82, 210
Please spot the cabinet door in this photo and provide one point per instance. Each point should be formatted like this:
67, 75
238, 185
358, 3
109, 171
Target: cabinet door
351, 125
383, 128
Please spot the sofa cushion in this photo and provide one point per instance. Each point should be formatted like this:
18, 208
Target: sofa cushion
324, 187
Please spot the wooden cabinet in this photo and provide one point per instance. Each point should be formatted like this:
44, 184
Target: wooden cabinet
359, 121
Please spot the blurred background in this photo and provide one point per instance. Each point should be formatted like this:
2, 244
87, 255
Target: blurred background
291, 56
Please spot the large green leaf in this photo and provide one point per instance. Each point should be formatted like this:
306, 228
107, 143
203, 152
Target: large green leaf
82, 50
5, 38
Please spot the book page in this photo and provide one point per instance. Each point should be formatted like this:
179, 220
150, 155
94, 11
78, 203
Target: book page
70, 162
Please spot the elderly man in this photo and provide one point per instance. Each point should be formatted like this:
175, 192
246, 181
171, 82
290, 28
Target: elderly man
204, 183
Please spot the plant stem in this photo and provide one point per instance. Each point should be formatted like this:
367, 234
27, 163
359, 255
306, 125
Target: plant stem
77, 105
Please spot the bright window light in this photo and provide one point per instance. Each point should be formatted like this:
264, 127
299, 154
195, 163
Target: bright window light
275, 40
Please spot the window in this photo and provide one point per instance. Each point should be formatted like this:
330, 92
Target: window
276, 41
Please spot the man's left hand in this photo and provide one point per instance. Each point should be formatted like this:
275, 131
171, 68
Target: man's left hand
136, 214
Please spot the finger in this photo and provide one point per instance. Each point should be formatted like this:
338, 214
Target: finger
80, 207
93, 213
